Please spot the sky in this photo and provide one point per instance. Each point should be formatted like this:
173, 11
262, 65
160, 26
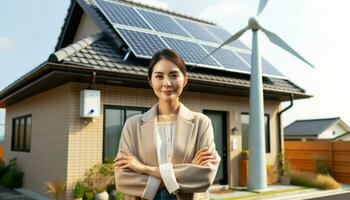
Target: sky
318, 29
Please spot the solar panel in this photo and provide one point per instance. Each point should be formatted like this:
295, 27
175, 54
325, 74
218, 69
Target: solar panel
142, 44
121, 14
147, 31
189, 51
223, 35
267, 68
196, 30
228, 59
163, 23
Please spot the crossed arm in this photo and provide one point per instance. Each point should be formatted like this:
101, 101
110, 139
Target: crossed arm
127, 160
133, 177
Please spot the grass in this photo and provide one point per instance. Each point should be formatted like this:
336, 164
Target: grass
309, 179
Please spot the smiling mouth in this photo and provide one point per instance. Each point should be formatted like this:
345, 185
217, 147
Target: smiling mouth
167, 92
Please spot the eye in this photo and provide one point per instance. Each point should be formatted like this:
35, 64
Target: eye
158, 76
174, 75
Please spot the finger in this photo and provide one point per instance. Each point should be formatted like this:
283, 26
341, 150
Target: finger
200, 151
124, 166
122, 163
204, 162
121, 158
204, 158
203, 149
206, 153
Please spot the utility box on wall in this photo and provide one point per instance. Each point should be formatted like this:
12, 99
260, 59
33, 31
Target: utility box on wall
90, 103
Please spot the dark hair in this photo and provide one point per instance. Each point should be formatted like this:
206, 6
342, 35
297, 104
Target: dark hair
170, 55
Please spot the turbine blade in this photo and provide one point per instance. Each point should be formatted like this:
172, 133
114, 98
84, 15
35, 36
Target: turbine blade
231, 39
274, 38
262, 5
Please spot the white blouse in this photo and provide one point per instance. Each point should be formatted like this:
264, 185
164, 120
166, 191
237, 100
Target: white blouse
165, 142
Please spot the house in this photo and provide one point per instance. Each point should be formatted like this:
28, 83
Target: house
44, 129
317, 129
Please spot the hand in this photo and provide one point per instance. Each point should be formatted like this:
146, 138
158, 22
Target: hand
127, 160
202, 157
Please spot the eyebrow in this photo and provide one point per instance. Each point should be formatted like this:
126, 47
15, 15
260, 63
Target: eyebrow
172, 72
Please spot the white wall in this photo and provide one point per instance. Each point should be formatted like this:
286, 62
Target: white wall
2, 123
328, 133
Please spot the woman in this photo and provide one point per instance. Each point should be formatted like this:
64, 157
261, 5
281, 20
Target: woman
169, 151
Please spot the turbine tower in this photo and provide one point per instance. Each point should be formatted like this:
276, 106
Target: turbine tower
257, 179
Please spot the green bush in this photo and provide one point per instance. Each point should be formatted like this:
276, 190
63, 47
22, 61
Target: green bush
322, 167
79, 190
89, 195
11, 175
119, 196
13, 178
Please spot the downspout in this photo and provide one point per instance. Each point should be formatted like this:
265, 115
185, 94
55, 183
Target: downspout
280, 163
291, 97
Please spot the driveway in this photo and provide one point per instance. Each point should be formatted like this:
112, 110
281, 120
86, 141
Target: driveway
10, 194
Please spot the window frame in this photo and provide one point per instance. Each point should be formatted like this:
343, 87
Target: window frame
124, 108
15, 144
268, 148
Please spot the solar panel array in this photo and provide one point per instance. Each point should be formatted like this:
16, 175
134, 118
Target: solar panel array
147, 31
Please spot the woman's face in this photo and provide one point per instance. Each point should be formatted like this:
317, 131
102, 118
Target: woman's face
167, 80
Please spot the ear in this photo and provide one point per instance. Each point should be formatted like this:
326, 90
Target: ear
186, 79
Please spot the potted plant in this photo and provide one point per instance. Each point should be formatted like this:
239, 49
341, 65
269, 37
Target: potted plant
79, 191
56, 188
284, 169
111, 189
98, 178
243, 168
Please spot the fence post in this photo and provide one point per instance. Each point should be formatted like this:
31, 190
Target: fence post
331, 157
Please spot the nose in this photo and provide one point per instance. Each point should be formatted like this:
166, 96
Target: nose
166, 83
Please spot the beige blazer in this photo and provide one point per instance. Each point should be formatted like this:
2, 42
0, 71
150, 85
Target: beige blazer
193, 132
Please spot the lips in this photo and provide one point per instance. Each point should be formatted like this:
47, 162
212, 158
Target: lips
168, 92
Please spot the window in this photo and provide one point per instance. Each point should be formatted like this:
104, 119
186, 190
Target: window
21, 133
114, 119
245, 131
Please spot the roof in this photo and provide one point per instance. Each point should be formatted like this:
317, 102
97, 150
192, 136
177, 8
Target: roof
96, 53
309, 127
103, 53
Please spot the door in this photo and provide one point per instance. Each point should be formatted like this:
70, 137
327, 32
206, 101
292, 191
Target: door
218, 120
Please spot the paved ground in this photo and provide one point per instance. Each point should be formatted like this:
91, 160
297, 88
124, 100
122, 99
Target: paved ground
9, 194
345, 196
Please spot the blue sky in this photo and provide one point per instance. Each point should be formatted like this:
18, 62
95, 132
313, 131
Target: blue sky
318, 29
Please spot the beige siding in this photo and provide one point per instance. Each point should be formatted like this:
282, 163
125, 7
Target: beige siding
56, 121
47, 159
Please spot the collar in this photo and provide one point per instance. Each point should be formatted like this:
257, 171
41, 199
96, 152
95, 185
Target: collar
184, 113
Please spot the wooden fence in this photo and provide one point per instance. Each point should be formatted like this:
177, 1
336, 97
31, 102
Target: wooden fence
302, 155
1, 152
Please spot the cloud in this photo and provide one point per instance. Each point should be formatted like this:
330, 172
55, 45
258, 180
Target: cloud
6, 43
154, 3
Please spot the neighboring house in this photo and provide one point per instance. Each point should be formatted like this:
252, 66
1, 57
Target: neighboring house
343, 137
317, 129
44, 129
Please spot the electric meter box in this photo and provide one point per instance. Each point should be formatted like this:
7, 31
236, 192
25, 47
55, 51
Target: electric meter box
90, 103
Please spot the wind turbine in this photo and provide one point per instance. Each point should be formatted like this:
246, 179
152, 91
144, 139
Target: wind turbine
257, 179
